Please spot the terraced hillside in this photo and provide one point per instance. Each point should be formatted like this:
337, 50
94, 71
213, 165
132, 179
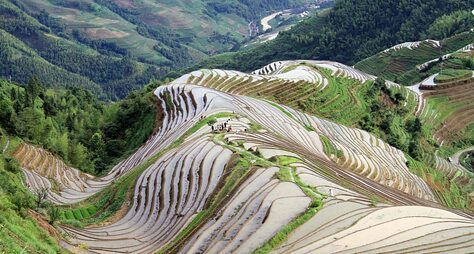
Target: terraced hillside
448, 105
411, 62
230, 171
324, 88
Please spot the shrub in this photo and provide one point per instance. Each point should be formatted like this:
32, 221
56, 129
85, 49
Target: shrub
54, 214
22, 200
12, 165
69, 215
85, 213
77, 214
92, 210
211, 121
74, 223
5, 203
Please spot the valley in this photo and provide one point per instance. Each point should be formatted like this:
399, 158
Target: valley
151, 38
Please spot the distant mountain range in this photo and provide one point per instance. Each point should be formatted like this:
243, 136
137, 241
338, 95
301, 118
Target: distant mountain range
112, 47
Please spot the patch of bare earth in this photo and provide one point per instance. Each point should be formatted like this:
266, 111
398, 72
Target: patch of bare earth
103, 33
118, 214
125, 3
41, 221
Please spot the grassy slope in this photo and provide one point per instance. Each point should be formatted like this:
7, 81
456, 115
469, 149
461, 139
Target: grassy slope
440, 107
187, 19
18, 53
19, 233
49, 57
447, 75
119, 30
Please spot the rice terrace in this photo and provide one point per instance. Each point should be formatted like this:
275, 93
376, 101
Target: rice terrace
234, 153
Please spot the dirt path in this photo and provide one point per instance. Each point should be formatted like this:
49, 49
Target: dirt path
455, 157
6, 145
267, 19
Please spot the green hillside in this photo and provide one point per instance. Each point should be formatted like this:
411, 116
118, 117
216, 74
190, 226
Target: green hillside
73, 124
57, 60
203, 26
114, 47
402, 65
352, 31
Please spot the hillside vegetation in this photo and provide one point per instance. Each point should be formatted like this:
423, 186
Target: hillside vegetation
276, 175
411, 64
75, 125
352, 31
19, 232
114, 47
272, 176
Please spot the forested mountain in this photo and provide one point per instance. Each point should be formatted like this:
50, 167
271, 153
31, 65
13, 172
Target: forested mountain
352, 31
31, 48
73, 124
112, 47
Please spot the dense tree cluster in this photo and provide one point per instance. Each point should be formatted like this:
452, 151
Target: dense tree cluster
451, 24
73, 124
384, 105
103, 46
248, 9
27, 49
353, 30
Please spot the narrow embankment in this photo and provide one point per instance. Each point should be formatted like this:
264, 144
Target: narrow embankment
455, 157
5, 147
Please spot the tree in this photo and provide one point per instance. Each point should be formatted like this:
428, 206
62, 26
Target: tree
12, 165
22, 200
6, 112
41, 195
77, 155
399, 97
33, 90
97, 147
62, 145
448, 25
53, 213
414, 150
46, 133
30, 123
413, 126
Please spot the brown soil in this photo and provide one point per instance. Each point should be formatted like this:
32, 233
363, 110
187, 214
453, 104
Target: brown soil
386, 101
456, 92
452, 84
433, 184
118, 214
103, 33
52, 231
125, 3
460, 119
